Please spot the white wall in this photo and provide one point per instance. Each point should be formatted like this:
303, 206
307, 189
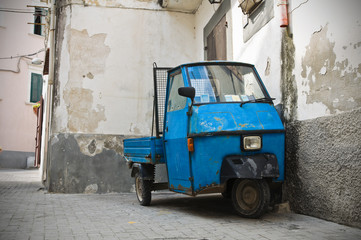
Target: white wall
106, 77
264, 46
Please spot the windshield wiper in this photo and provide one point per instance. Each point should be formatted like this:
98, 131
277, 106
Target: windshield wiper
269, 100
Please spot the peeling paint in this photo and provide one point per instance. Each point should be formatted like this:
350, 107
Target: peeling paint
83, 116
94, 144
330, 82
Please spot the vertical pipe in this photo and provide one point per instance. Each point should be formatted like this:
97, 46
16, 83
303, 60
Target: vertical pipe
284, 13
49, 93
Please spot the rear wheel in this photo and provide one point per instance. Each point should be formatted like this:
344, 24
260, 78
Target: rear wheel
143, 189
250, 198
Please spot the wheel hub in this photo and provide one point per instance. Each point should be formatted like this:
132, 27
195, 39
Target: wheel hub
249, 195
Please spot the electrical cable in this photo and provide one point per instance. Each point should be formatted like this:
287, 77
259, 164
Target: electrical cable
18, 63
25, 55
13, 10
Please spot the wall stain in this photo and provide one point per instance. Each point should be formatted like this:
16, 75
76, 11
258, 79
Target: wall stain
92, 145
267, 71
81, 116
335, 84
288, 80
88, 55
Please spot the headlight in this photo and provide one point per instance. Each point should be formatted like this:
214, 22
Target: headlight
252, 143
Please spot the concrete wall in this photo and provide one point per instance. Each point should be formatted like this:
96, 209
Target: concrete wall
17, 119
104, 85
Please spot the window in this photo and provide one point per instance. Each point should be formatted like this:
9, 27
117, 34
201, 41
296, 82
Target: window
39, 21
248, 6
175, 101
256, 14
36, 87
225, 83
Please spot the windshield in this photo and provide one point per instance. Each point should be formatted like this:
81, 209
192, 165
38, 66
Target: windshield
225, 83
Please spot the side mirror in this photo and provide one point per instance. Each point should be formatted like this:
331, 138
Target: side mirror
189, 92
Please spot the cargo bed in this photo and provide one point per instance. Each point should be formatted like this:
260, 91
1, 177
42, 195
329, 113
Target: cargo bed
144, 150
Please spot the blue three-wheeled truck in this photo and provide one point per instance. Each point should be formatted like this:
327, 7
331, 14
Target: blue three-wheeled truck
218, 132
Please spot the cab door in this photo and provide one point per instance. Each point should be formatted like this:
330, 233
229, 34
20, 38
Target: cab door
175, 137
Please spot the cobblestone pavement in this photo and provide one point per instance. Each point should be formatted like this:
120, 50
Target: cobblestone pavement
29, 212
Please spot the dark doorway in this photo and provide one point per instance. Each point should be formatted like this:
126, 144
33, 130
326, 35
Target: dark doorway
217, 41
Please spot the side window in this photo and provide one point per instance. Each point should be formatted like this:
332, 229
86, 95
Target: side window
175, 101
257, 14
39, 21
36, 87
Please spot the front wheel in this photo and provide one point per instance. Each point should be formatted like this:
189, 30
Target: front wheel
143, 189
250, 198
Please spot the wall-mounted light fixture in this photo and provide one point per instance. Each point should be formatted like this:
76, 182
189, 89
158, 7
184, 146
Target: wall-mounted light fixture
214, 1
36, 61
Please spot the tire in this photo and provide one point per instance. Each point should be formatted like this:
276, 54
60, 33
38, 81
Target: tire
143, 189
250, 198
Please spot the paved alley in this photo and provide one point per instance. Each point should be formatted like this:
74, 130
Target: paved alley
27, 211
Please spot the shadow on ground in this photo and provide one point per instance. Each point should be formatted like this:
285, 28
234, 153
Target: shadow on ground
210, 206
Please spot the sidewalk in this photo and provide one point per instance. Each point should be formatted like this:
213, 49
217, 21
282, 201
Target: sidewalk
29, 212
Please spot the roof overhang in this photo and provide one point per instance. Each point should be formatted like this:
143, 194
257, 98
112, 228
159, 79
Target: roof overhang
190, 6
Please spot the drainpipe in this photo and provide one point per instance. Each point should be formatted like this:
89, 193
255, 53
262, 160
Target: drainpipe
51, 43
284, 14
49, 95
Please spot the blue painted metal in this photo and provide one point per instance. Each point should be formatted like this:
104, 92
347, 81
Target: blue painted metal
144, 150
176, 149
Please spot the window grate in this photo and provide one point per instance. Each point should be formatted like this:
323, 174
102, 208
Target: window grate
160, 75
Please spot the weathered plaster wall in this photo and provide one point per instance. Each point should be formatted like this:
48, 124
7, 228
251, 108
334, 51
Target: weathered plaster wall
103, 89
322, 107
327, 56
106, 65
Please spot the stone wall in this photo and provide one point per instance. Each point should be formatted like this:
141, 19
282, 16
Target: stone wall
323, 167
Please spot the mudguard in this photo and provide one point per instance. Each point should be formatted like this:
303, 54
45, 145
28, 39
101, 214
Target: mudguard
252, 167
145, 171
